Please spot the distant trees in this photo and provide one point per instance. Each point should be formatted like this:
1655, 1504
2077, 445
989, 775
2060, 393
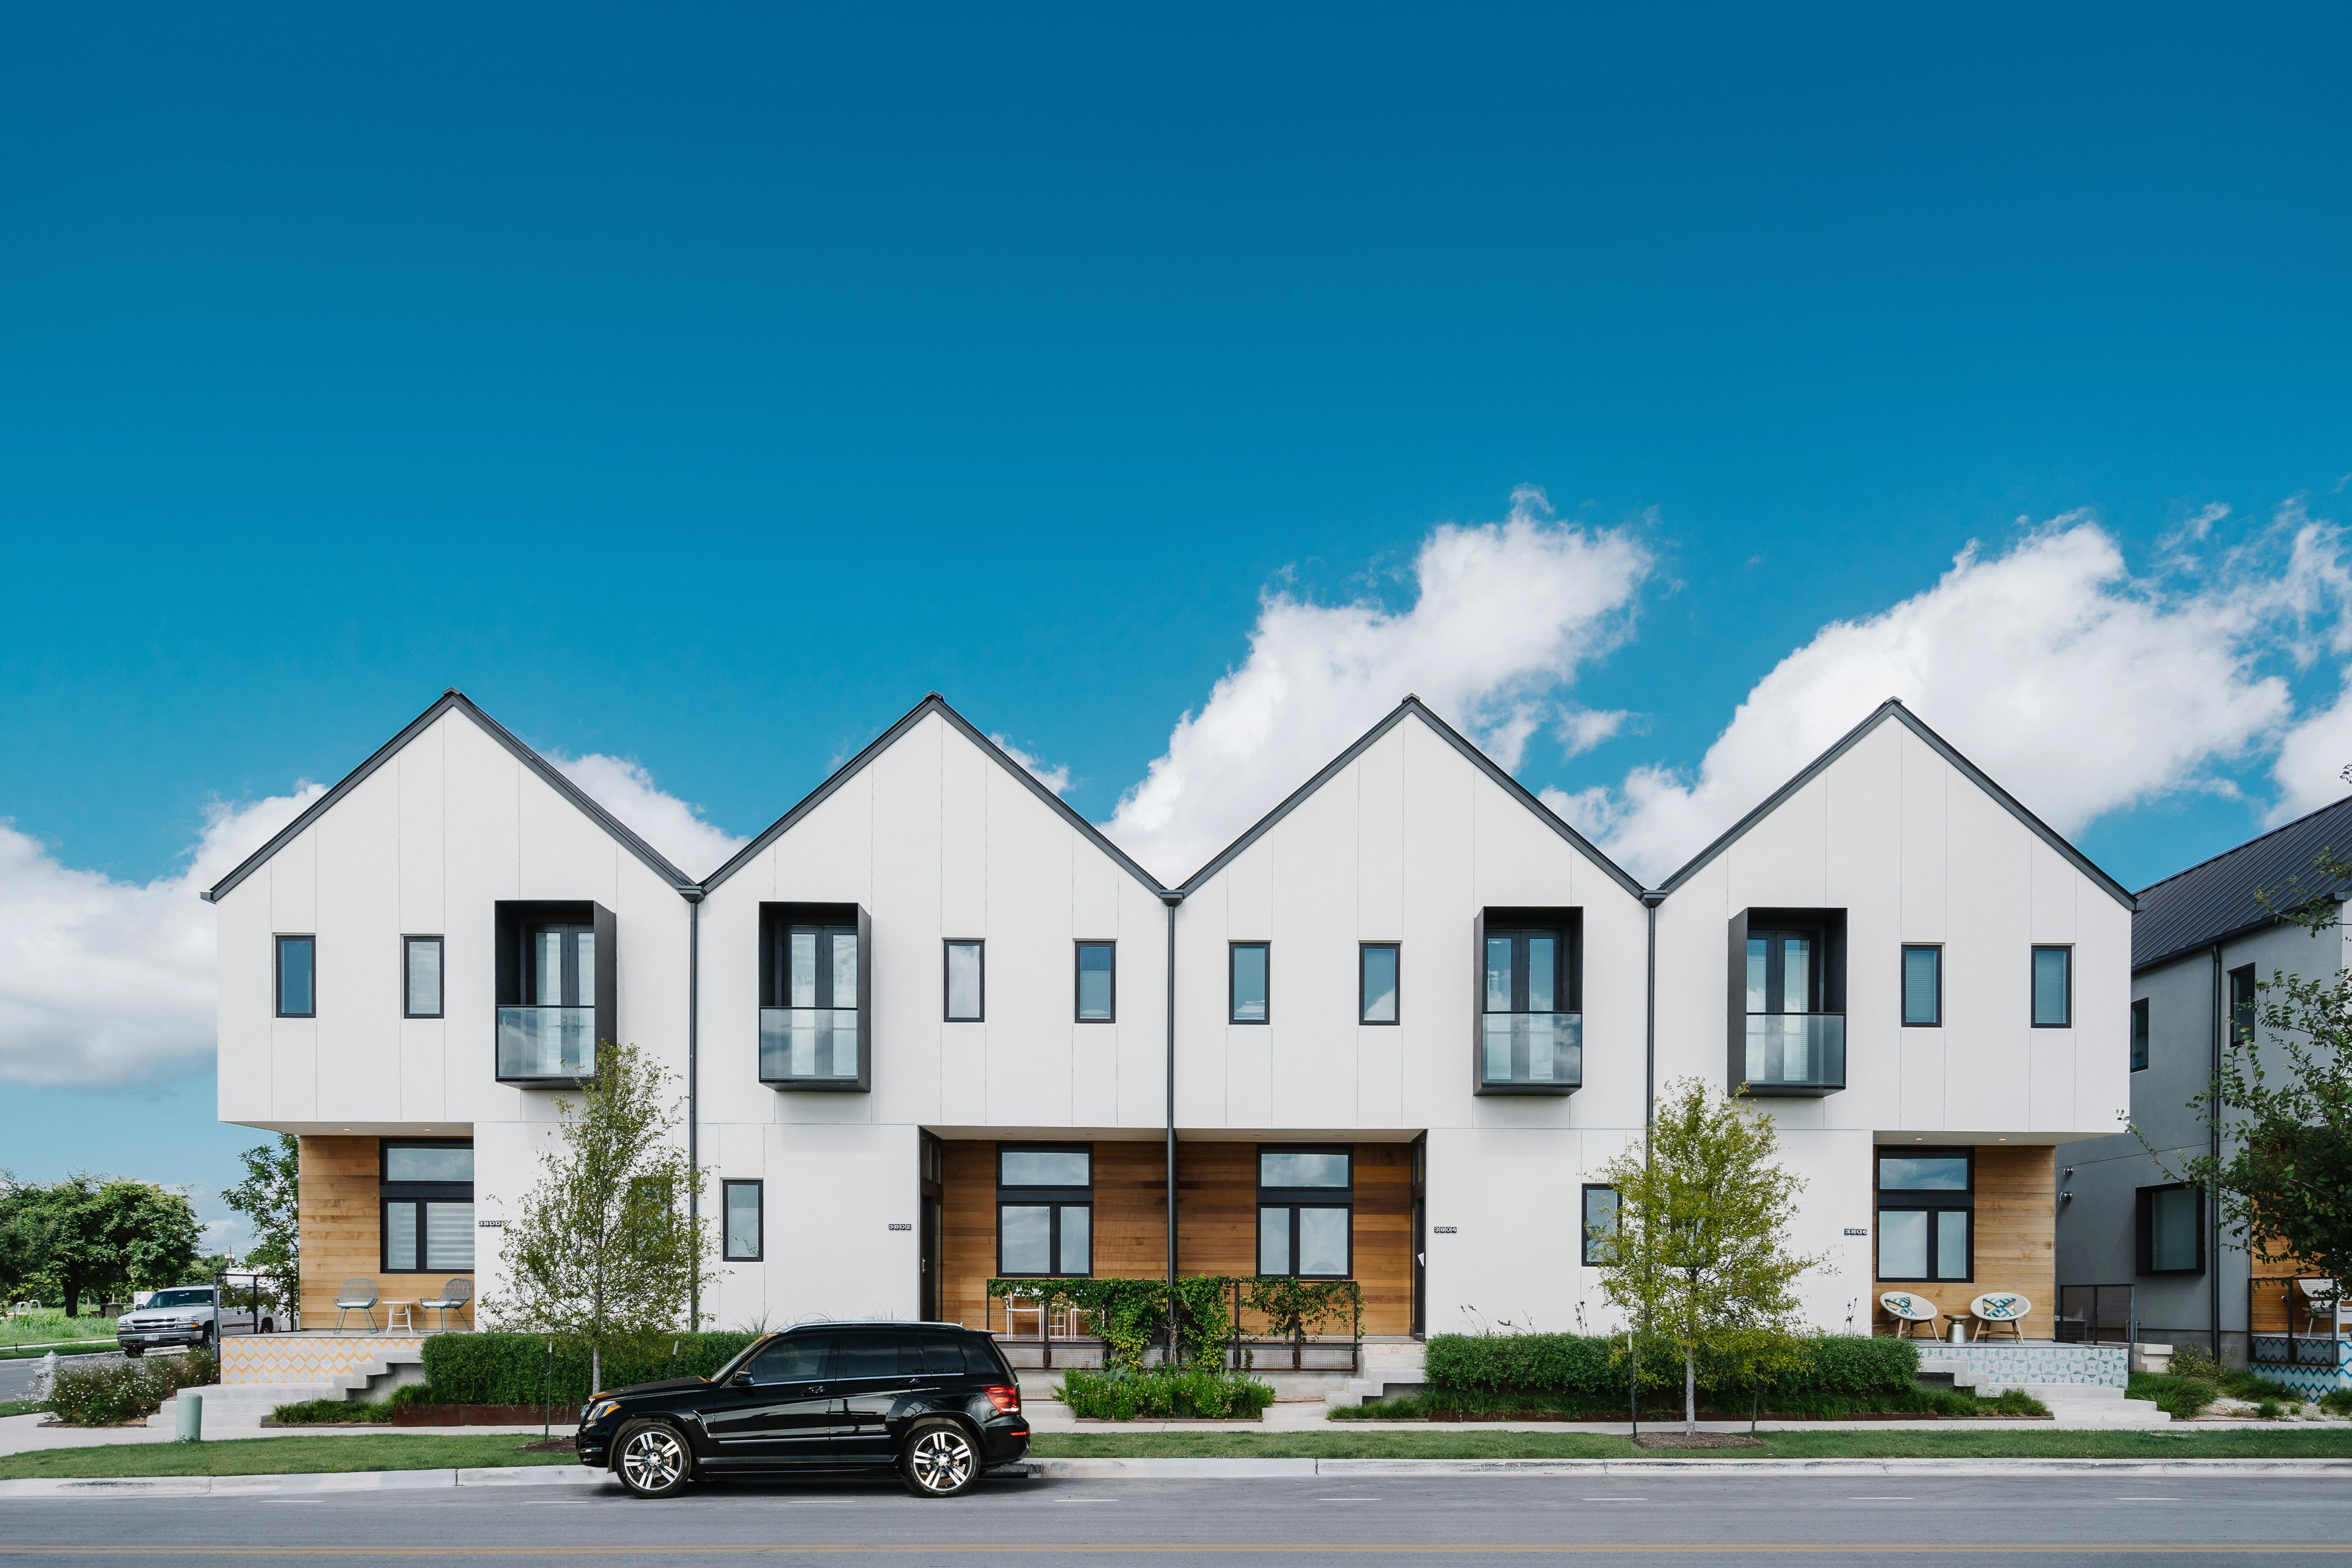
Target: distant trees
270, 1198
93, 1235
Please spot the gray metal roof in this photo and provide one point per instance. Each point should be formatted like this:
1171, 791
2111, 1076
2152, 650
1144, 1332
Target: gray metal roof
2215, 899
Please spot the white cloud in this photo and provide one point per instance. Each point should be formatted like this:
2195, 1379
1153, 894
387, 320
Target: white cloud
1057, 779
2309, 771
1581, 729
2079, 688
108, 982
693, 843
1504, 614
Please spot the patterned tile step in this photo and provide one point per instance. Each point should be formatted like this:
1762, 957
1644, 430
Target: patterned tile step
2104, 1366
303, 1358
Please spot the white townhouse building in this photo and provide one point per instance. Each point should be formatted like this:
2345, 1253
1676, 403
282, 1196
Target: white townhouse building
934, 1028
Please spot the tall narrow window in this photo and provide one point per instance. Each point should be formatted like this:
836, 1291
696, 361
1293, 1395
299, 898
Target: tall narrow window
1923, 987
426, 1191
967, 981
741, 1200
420, 962
2243, 988
2139, 1034
1306, 1212
2171, 1229
1600, 1225
1927, 1205
1247, 982
811, 1030
2053, 988
1045, 1210
297, 977
1097, 981
1376, 987
1529, 1034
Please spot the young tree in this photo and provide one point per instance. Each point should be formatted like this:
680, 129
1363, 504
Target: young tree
1700, 1258
270, 1198
602, 1249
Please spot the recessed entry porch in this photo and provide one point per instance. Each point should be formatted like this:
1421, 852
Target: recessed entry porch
1061, 1206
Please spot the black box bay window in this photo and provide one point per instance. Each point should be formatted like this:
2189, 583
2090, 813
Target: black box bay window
816, 1011
557, 991
1787, 1001
1045, 1210
426, 1189
1528, 1037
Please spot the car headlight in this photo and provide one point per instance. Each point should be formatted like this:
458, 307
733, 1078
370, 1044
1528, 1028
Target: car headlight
597, 1411
123, 1321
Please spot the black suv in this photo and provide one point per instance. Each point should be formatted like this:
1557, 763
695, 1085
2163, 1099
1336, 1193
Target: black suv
935, 1402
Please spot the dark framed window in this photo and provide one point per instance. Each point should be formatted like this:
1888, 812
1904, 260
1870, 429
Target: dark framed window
1528, 1023
1377, 963
425, 1193
2242, 990
295, 981
420, 976
2139, 1035
2169, 1224
740, 1204
1098, 998
966, 981
1923, 985
1600, 1212
1927, 1214
2053, 988
557, 985
1247, 980
1306, 1210
1527, 971
1786, 971
1045, 1210
816, 1020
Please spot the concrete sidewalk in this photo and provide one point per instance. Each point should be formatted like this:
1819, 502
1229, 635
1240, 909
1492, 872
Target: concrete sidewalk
25, 1434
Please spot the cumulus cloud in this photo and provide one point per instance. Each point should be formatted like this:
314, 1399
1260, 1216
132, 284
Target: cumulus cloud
109, 982
1503, 615
690, 840
1057, 779
2080, 689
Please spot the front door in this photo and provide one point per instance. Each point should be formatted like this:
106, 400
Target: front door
872, 1372
788, 1412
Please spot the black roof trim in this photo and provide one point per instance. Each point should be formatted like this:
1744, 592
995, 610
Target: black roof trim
1892, 708
454, 699
932, 704
1414, 707
2213, 901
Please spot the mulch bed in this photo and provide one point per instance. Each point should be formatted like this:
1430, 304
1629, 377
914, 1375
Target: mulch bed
480, 1415
1697, 1440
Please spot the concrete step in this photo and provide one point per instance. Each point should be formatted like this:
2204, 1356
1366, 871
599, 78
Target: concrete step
241, 1404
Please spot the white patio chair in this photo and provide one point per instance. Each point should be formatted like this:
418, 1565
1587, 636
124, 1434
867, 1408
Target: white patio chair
454, 1297
1997, 1310
1910, 1311
356, 1296
2319, 1302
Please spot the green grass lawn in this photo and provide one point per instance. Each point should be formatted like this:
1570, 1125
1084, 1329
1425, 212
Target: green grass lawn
2283, 1443
280, 1456
45, 1326
19, 1407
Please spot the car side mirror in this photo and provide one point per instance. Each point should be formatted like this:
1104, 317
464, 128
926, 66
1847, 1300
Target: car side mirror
740, 1380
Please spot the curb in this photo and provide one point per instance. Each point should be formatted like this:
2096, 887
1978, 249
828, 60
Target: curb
577, 1476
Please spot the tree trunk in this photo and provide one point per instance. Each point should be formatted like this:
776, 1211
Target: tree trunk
1690, 1391
596, 1368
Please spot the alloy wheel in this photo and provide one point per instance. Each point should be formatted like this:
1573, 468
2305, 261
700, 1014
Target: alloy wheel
653, 1461
941, 1460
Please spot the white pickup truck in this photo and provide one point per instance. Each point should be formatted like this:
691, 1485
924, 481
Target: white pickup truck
184, 1314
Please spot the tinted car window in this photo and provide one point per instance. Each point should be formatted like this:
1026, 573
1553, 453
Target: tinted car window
875, 1356
799, 1359
942, 1355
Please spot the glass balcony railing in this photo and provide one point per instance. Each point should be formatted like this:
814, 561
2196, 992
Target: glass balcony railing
1531, 1050
547, 1043
1796, 1053
808, 1045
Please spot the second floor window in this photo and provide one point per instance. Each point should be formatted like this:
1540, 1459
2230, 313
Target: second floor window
560, 966
2241, 1006
1784, 971
1097, 981
1376, 988
816, 966
2053, 988
1923, 985
420, 962
1247, 982
2139, 1034
966, 981
297, 977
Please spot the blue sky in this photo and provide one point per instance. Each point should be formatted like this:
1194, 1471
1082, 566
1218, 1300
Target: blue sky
700, 385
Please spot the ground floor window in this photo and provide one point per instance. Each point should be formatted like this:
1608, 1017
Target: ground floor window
1600, 1224
1045, 1210
2171, 1229
1306, 1212
1926, 1212
741, 1200
426, 1192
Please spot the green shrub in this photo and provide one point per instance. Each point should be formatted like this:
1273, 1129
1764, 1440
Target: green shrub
1121, 1394
1830, 1369
2191, 1361
112, 1394
513, 1368
305, 1412
2269, 1410
1475, 1406
2252, 1385
2336, 1402
2179, 1395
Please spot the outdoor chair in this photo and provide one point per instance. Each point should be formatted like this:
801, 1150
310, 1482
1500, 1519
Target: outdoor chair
454, 1297
356, 1296
1910, 1312
1999, 1309
2319, 1299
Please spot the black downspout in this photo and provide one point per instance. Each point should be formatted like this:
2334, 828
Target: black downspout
1173, 900
1650, 902
2213, 1146
693, 1110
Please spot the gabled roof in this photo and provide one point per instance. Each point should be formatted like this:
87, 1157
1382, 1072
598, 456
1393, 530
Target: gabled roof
454, 699
2214, 900
932, 704
1413, 706
1892, 709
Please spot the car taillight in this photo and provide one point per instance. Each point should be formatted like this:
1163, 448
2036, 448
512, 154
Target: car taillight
1006, 1397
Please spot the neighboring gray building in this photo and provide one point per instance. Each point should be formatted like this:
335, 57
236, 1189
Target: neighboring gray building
2200, 942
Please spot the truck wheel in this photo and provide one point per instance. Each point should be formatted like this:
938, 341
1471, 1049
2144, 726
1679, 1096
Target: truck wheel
940, 1459
652, 1459
134, 1351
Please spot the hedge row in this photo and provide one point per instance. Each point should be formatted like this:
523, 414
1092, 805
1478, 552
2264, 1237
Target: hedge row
513, 1368
1593, 1367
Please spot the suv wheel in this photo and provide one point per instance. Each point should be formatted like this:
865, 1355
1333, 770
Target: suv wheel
941, 1459
652, 1459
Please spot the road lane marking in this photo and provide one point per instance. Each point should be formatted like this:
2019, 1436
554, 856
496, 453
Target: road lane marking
1158, 1549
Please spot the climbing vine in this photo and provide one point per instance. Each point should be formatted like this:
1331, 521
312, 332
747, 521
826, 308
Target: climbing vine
1130, 1315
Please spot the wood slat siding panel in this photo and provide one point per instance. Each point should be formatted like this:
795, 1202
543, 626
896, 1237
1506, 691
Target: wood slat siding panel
2274, 1295
968, 1232
342, 1223
2016, 1240
1130, 1229
1383, 1236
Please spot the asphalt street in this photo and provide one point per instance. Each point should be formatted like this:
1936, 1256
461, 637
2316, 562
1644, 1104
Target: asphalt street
2063, 1520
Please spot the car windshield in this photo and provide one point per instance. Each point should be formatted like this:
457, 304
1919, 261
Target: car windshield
181, 1299
740, 1358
